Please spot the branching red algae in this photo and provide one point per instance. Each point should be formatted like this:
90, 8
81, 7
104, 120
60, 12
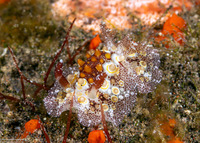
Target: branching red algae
68, 122
59, 52
105, 125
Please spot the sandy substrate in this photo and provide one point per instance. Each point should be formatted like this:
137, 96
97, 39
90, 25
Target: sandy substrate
35, 35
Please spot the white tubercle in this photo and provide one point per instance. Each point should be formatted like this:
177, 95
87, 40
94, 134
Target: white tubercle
117, 58
105, 86
110, 68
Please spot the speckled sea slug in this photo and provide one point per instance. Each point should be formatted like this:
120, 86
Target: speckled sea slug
112, 77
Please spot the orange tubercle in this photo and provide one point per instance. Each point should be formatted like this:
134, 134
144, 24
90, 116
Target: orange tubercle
82, 75
96, 136
95, 42
90, 80
99, 67
101, 61
93, 59
87, 69
88, 55
97, 53
107, 55
80, 62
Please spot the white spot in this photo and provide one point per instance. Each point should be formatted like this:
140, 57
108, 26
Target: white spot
121, 97
126, 95
56, 91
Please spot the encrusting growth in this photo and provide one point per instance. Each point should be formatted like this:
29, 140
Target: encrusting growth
109, 78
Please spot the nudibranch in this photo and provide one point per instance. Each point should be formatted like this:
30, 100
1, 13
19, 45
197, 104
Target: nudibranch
112, 76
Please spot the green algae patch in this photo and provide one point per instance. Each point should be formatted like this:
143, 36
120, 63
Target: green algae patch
27, 23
